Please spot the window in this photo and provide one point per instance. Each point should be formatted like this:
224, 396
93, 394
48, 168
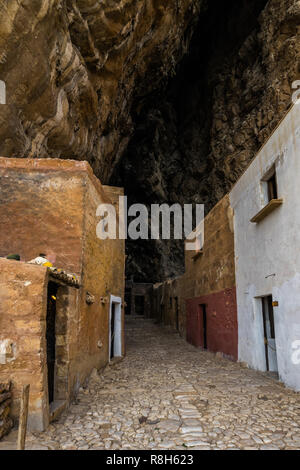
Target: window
272, 187
199, 248
269, 195
269, 186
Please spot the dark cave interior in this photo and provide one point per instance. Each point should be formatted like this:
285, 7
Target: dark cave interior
185, 130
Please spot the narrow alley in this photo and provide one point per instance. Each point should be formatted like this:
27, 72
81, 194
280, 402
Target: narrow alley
166, 394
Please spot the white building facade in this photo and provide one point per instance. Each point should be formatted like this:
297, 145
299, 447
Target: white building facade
266, 204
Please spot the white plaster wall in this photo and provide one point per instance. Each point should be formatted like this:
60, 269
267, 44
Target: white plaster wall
2, 92
268, 253
117, 327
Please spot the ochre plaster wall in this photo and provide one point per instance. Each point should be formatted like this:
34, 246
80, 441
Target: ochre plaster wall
50, 206
209, 280
23, 292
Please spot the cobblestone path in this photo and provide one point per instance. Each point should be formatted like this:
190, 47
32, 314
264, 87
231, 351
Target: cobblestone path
168, 395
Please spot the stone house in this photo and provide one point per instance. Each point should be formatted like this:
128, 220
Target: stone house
240, 294
201, 304
138, 297
211, 315
55, 328
267, 238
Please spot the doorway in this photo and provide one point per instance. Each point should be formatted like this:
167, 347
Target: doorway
204, 324
194, 327
269, 334
176, 314
139, 305
115, 327
51, 338
128, 302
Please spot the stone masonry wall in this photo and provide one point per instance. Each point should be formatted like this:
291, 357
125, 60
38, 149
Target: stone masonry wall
41, 210
23, 290
103, 275
50, 206
209, 279
6, 423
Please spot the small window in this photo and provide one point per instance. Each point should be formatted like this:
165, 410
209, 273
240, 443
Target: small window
272, 187
269, 193
269, 186
199, 248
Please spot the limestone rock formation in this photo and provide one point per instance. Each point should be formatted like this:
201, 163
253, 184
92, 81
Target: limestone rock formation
74, 67
169, 98
194, 138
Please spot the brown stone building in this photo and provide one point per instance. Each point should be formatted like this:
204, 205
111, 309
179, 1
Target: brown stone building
202, 303
138, 298
168, 303
56, 328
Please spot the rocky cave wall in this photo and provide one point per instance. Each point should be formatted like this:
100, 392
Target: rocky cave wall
73, 67
194, 137
169, 98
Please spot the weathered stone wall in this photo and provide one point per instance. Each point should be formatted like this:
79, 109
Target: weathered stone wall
221, 326
73, 69
6, 423
23, 308
267, 254
214, 270
68, 317
84, 79
164, 304
115, 262
140, 290
209, 279
194, 138
41, 205
103, 275
50, 206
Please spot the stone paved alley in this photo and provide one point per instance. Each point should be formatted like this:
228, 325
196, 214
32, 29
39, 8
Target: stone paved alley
168, 395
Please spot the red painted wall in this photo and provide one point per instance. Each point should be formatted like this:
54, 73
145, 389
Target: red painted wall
222, 325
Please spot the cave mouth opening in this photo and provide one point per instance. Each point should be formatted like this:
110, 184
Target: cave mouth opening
186, 147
